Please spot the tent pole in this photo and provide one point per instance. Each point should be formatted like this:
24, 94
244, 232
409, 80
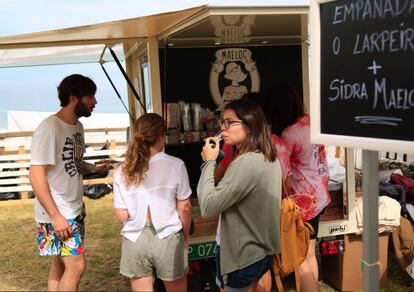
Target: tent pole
370, 191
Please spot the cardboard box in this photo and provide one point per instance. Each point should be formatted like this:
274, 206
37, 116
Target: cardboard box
344, 271
203, 227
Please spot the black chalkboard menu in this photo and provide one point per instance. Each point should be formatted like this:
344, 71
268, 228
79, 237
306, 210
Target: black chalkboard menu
367, 68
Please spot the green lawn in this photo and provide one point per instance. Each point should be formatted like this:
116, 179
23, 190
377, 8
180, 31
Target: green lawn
22, 268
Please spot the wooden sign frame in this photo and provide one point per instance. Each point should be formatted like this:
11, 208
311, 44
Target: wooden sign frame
317, 136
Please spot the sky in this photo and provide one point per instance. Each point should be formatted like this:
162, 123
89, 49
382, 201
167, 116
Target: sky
34, 88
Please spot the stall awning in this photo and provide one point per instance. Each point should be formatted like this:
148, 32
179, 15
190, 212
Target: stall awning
197, 27
101, 33
56, 55
84, 44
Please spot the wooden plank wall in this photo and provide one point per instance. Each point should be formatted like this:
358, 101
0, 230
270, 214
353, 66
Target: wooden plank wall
14, 164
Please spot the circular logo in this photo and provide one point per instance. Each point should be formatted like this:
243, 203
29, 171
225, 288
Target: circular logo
236, 66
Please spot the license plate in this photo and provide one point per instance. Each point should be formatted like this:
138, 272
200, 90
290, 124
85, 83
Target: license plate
202, 250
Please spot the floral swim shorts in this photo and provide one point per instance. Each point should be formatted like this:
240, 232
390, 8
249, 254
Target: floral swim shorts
50, 245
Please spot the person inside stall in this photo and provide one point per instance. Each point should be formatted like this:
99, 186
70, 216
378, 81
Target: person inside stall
152, 200
309, 169
283, 155
252, 182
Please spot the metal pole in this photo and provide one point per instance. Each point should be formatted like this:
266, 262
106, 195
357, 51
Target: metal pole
117, 93
131, 86
370, 262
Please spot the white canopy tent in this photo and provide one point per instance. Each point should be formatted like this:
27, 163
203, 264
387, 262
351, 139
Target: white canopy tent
84, 44
55, 55
189, 27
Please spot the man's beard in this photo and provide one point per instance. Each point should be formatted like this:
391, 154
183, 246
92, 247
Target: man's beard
81, 110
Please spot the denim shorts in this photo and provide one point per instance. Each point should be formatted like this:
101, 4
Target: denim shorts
241, 280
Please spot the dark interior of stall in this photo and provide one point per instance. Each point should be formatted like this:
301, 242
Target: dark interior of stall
186, 76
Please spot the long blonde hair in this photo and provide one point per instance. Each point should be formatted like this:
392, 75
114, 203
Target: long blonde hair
147, 129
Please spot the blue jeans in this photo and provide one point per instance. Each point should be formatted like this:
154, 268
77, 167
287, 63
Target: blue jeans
241, 280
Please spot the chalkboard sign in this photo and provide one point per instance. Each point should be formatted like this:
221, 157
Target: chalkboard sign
362, 62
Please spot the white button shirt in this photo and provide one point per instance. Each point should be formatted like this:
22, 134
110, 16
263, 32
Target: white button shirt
165, 181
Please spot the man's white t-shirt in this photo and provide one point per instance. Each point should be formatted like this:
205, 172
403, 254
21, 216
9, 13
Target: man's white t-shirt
165, 181
60, 146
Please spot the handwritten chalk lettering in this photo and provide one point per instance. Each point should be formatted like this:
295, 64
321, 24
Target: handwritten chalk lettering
385, 41
371, 9
399, 98
374, 67
377, 120
344, 91
336, 45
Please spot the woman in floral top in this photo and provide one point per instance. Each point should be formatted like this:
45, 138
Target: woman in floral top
308, 164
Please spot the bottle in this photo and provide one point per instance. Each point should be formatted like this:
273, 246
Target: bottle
186, 117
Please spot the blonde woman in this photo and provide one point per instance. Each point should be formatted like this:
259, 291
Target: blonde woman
151, 199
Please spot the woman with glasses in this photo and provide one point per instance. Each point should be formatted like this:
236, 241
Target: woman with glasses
247, 197
151, 199
283, 155
282, 151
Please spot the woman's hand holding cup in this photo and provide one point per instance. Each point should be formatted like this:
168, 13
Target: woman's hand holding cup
210, 149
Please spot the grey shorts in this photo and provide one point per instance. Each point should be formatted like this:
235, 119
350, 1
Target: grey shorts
149, 255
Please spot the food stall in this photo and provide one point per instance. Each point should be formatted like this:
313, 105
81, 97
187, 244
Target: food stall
181, 65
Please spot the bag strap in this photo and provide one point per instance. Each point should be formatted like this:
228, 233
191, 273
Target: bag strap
279, 283
310, 227
284, 190
285, 194
297, 280
276, 271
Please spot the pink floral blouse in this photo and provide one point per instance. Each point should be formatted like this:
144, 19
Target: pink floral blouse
309, 169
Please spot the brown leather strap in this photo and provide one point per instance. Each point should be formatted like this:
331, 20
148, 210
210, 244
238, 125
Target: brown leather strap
276, 271
284, 190
279, 283
297, 279
310, 227
297, 195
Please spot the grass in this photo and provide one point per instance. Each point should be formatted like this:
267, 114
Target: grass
22, 269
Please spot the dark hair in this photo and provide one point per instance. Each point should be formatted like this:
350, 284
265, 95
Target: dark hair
259, 98
258, 137
283, 107
147, 129
76, 85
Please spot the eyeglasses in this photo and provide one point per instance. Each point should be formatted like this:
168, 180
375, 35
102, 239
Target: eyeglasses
226, 123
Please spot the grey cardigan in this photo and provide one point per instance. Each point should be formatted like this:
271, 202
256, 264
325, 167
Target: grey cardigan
248, 199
